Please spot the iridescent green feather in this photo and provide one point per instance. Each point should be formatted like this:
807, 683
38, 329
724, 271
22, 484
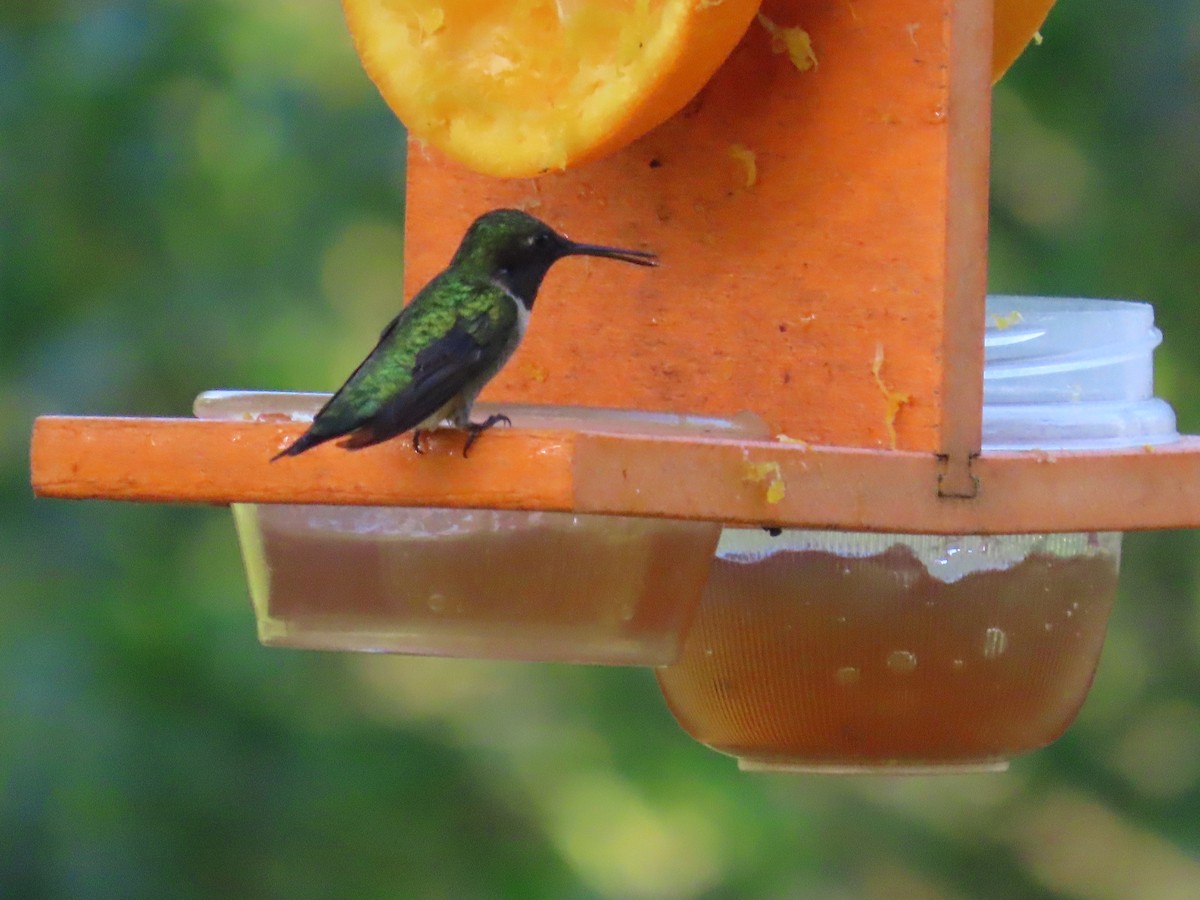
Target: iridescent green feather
486, 312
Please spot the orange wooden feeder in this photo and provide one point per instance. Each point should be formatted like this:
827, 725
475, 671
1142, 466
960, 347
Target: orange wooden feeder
823, 238
862, 238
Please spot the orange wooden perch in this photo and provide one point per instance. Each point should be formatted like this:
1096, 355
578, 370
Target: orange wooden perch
187, 460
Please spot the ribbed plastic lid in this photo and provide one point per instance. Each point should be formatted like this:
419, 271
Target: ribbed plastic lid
1071, 374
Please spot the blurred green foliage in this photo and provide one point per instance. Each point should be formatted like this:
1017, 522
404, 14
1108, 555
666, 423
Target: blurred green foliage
198, 195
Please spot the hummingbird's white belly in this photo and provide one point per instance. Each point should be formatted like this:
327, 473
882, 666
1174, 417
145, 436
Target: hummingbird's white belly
449, 415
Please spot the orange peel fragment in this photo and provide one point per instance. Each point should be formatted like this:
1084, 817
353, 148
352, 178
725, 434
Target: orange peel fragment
893, 399
748, 160
769, 474
793, 41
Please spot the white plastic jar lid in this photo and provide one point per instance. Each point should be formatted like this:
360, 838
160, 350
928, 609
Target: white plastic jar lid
1071, 374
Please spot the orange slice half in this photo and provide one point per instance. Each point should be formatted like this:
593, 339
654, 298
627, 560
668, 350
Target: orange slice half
520, 87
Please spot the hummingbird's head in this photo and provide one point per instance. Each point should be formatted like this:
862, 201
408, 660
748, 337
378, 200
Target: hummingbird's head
516, 250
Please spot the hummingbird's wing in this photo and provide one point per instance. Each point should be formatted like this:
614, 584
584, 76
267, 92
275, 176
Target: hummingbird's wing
441, 371
448, 338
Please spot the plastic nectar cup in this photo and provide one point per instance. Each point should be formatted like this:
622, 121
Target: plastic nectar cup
852, 652
483, 584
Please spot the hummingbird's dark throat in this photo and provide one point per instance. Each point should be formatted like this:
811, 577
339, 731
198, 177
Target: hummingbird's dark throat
521, 274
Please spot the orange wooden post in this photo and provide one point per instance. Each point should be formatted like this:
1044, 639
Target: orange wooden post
865, 229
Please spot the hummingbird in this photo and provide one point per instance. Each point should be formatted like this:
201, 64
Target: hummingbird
433, 359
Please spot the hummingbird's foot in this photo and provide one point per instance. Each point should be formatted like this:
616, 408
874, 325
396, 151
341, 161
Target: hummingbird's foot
417, 432
475, 429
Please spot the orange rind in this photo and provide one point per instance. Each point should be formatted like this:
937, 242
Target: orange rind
1016, 23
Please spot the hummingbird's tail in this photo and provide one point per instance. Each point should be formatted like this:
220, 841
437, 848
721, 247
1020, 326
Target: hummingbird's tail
306, 441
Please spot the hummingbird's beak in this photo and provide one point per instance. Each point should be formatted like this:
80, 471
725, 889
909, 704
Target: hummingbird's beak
637, 257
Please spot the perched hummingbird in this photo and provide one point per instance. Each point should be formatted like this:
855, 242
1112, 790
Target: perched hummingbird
456, 334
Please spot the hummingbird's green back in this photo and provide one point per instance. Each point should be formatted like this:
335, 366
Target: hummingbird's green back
455, 331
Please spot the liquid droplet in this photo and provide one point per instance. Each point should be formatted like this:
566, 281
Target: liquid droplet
902, 661
995, 642
847, 675
957, 665
436, 602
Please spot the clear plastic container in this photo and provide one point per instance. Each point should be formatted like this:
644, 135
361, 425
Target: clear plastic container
476, 583
854, 652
